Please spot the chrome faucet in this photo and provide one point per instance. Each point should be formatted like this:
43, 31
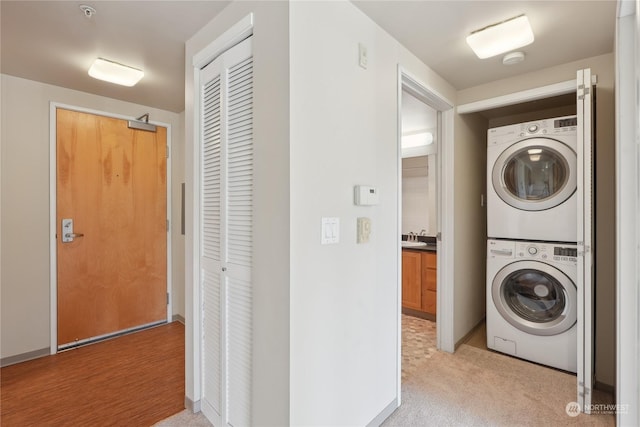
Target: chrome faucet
411, 237
423, 232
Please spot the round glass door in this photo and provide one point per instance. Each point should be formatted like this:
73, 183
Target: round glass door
535, 298
535, 174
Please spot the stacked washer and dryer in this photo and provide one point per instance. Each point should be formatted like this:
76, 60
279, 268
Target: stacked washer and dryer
531, 246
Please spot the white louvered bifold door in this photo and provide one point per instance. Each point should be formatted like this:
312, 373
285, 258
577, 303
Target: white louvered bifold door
585, 322
226, 235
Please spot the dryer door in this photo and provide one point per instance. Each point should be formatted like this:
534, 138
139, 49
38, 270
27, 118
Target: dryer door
535, 174
535, 297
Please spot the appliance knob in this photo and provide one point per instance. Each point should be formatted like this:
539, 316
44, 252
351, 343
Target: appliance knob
533, 128
532, 250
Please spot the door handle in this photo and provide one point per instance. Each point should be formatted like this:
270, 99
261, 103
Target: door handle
67, 231
73, 235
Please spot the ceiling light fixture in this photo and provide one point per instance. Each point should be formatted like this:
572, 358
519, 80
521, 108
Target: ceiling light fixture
420, 139
501, 37
513, 58
114, 72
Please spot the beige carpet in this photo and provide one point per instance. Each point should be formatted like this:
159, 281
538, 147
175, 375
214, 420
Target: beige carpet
473, 387
476, 387
185, 419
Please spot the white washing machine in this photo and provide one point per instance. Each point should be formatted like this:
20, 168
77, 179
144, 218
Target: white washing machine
532, 301
531, 180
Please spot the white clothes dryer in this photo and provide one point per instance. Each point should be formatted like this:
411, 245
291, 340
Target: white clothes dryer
531, 180
532, 301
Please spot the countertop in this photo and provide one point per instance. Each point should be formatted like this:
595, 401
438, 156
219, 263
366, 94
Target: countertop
431, 247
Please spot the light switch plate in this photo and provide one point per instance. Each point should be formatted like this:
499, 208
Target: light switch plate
364, 229
330, 231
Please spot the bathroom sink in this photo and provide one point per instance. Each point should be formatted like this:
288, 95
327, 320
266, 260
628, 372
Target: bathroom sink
406, 244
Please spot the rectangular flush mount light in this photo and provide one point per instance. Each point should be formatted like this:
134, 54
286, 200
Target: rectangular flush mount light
502, 37
113, 72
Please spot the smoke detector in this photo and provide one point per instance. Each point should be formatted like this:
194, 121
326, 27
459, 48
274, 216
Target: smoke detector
88, 11
513, 58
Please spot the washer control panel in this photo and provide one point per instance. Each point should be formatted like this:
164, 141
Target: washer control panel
563, 253
558, 126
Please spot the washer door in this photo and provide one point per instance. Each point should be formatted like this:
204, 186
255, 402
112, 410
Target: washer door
535, 174
535, 297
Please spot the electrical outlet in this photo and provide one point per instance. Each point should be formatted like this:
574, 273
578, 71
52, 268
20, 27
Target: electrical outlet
364, 230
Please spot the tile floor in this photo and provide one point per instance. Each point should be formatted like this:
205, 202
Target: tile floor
419, 341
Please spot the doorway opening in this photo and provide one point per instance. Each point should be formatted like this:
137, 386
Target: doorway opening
425, 145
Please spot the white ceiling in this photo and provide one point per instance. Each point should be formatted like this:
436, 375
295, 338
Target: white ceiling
435, 32
53, 42
417, 117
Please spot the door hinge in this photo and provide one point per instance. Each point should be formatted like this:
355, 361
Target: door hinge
581, 92
168, 298
168, 151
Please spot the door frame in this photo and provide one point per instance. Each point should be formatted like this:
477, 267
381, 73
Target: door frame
444, 211
53, 226
627, 217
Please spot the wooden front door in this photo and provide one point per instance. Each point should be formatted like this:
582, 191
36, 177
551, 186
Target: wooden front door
111, 183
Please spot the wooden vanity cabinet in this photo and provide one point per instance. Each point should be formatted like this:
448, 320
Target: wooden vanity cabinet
429, 276
412, 280
419, 281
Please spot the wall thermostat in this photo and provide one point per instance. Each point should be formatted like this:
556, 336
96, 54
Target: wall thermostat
365, 195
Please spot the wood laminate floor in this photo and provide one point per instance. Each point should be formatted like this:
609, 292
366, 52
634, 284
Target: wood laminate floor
133, 380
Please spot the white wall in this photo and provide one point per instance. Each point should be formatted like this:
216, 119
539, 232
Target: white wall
432, 195
25, 204
419, 195
325, 317
415, 204
344, 297
177, 238
470, 220
270, 274
415, 194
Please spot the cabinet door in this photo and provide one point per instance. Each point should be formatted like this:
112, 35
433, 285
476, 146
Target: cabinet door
429, 299
429, 285
429, 272
411, 280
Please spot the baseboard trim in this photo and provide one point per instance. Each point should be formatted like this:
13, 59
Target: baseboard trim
177, 318
420, 314
386, 413
607, 388
189, 404
468, 335
23, 357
